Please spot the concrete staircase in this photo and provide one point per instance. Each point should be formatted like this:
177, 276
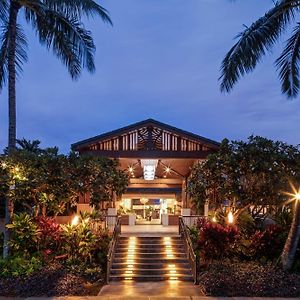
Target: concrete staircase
150, 259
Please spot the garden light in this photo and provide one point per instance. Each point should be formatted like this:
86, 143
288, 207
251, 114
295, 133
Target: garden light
230, 217
75, 221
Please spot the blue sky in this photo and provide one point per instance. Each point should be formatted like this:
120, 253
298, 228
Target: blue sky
160, 60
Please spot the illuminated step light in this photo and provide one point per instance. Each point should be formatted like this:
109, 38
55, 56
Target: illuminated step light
171, 266
173, 278
128, 278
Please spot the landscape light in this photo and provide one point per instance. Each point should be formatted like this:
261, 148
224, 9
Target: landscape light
230, 217
75, 221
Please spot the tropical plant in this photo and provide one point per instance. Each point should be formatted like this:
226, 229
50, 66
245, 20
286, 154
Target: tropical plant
258, 39
50, 233
58, 26
19, 266
214, 240
78, 242
267, 243
25, 235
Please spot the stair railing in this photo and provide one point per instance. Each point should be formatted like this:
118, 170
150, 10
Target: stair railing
112, 245
189, 248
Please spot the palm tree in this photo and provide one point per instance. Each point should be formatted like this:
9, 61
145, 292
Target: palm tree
253, 43
290, 248
58, 26
258, 39
30, 146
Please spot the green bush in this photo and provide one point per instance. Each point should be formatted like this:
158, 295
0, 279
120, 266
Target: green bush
19, 266
25, 235
79, 242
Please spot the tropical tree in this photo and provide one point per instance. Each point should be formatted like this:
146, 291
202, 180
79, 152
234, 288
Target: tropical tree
252, 174
258, 39
58, 24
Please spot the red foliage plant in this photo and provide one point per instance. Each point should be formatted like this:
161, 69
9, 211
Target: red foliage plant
50, 233
215, 240
268, 243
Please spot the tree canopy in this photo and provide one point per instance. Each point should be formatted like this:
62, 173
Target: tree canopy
253, 172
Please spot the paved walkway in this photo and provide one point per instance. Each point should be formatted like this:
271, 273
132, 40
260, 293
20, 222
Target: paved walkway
146, 298
149, 289
149, 230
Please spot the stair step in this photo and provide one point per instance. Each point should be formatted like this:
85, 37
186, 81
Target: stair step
141, 278
150, 260
182, 265
151, 272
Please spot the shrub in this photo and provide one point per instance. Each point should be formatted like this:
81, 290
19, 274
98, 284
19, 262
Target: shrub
104, 239
215, 240
79, 242
50, 233
25, 234
267, 243
19, 266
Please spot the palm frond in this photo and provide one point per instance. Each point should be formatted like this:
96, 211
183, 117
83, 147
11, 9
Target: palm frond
4, 55
78, 8
288, 65
20, 54
21, 47
254, 42
3, 10
68, 39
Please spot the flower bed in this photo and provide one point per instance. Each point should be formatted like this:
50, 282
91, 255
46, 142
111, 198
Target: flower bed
229, 278
53, 280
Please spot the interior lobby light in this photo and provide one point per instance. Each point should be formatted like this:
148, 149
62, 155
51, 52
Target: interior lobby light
149, 168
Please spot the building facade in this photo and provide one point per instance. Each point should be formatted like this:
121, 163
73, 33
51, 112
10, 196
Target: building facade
158, 158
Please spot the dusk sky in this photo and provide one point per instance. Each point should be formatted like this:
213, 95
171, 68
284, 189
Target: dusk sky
160, 60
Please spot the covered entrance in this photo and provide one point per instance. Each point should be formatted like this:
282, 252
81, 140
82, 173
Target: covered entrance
149, 209
158, 159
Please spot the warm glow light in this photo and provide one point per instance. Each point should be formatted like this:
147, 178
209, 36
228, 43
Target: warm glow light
214, 219
297, 196
130, 169
17, 169
4, 165
230, 217
168, 169
75, 221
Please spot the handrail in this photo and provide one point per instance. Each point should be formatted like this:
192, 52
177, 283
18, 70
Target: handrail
189, 249
112, 245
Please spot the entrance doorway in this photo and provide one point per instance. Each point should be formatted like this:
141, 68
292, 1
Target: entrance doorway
149, 210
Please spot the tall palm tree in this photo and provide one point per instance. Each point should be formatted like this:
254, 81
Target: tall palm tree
253, 43
58, 25
258, 39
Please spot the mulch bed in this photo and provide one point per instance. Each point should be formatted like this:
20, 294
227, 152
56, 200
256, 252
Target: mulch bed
248, 279
52, 280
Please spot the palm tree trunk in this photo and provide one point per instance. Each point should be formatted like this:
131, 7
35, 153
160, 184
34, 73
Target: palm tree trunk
14, 8
291, 244
9, 205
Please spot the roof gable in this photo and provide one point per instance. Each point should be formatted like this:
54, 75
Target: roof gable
158, 130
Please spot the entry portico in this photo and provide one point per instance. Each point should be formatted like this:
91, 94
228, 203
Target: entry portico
158, 159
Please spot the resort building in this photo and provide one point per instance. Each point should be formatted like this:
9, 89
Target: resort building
158, 158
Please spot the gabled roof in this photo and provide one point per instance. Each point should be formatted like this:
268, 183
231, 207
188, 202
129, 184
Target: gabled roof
141, 124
